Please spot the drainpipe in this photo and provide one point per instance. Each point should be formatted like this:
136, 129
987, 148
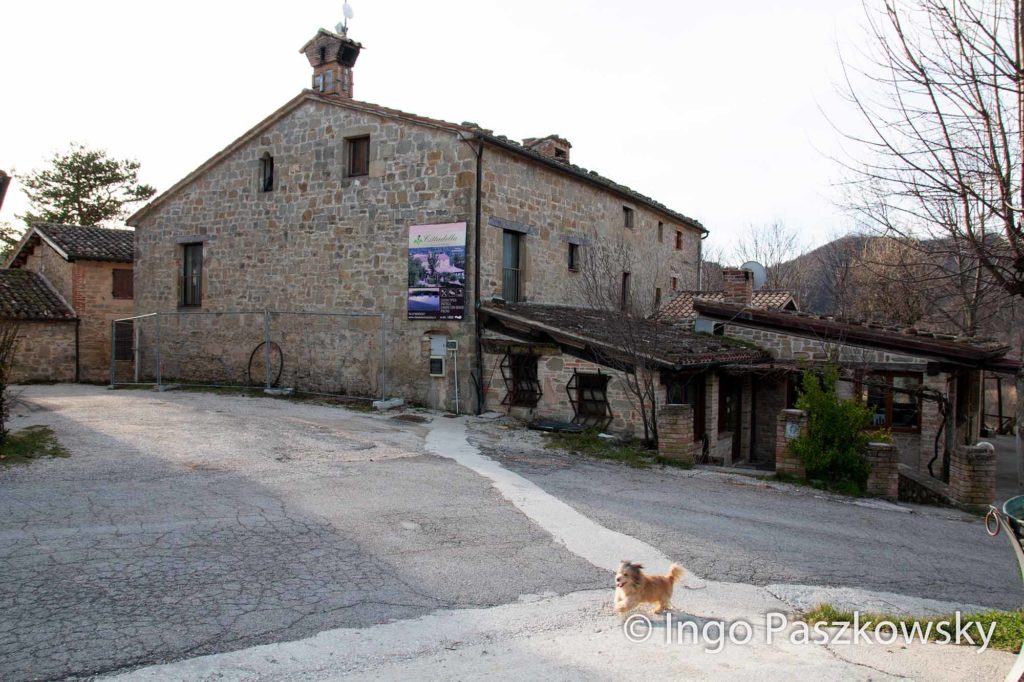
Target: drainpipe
700, 261
78, 324
476, 275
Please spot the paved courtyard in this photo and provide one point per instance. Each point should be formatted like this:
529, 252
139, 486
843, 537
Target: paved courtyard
186, 524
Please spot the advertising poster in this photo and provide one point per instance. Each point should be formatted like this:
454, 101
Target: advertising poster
437, 272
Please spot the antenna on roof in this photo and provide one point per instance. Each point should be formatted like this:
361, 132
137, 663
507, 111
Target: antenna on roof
758, 271
342, 26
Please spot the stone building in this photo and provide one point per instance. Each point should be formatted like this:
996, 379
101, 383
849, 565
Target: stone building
909, 377
89, 269
318, 208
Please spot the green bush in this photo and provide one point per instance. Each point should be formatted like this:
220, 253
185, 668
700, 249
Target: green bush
830, 449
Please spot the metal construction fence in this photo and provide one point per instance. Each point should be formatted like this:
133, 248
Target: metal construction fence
336, 353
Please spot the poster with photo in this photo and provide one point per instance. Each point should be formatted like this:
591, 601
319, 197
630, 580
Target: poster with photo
437, 272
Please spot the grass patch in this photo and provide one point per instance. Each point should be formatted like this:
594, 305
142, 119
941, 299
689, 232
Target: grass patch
1008, 634
29, 443
590, 444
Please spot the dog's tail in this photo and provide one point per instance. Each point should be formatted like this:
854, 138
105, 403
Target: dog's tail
675, 572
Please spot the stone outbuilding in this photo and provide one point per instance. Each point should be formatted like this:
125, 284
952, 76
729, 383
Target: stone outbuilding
47, 328
90, 270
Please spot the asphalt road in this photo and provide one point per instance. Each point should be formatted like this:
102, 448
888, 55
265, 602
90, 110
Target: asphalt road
186, 524
739, 529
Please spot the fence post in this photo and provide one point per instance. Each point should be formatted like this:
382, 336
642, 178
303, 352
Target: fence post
113, 349
266, 347
159, 374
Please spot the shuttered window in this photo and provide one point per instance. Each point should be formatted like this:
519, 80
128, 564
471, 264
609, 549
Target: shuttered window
122, 285
359, 156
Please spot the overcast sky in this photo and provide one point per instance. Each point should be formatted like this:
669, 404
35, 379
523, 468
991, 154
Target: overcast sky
711, 108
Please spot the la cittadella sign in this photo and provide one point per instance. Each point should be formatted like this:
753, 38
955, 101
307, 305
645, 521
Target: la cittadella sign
437, 272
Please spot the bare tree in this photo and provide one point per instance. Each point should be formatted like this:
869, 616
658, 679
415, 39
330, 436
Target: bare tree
778, 249
623, 283
711, 260
942, 99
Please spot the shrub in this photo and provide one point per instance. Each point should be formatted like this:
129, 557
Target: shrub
830, 449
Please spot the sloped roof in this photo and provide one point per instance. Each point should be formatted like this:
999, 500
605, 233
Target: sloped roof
468, 129
681, 307
668, 345
26, 295
971, 351
75, 242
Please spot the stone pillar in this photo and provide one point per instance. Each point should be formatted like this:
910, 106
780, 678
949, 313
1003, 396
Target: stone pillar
791, 425
746, 419
972, 474
711, 384
884, 473
675, 433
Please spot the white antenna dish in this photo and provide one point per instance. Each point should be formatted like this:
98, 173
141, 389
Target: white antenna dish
342, 26
346, 10
758, 271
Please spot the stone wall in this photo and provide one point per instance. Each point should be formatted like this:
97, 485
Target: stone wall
53, 267
320, 241
972, 474
883, 476
770, 399
554, 371
45, 352
551, 210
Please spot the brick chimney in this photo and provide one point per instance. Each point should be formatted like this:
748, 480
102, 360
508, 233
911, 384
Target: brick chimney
739, 285
332, 56
552, 146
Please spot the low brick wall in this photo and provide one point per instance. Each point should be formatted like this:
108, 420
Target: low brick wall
884, 474
675, 432
790, 425
972, 474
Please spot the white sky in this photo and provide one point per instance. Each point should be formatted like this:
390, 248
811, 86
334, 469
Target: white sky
711, 108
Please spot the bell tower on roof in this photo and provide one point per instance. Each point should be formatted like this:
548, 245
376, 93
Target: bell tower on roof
332, 54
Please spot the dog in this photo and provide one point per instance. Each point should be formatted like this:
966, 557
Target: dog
634, 587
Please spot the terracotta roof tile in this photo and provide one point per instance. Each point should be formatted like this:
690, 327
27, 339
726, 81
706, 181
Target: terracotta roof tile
681, 307
90, 243
25, 295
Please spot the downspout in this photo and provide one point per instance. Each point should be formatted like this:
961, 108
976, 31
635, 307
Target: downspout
700, 261
78, 324
476, 279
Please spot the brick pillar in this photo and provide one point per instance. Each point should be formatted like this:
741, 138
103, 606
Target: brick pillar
972, 474
675, 432
884, 474
791, 424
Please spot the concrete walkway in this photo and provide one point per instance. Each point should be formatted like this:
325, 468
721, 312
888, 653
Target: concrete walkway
577, 637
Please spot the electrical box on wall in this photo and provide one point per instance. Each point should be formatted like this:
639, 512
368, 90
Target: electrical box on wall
453, 345
437, 367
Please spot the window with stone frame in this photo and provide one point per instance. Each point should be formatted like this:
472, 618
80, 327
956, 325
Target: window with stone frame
679, 240
628, 217
894, 399
661, 231
266, 172
358, 156
574, 257
192, 275
122, 284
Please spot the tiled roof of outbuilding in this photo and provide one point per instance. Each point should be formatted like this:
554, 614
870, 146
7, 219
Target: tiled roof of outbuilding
25, 295
91, 243
668, 345
681, 307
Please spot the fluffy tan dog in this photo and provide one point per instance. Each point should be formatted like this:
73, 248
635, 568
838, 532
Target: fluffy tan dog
633, 587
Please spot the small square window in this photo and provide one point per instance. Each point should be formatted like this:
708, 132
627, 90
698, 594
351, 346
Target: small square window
574, 257
675, 283
679, 240
359, 156
627, 217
